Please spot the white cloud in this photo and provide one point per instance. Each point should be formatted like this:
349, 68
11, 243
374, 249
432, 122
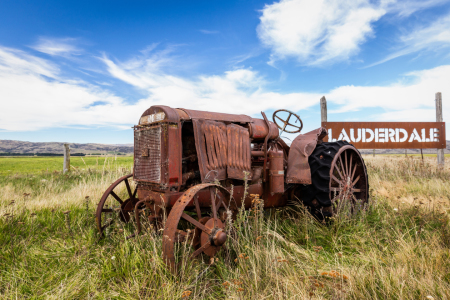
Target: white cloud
240, 90
57, 47
35, 96
317, 32
31, 101
324, 32
434, 37
398, 101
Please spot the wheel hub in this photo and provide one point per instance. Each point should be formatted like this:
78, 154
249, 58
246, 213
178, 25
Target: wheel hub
219, 237
216, 238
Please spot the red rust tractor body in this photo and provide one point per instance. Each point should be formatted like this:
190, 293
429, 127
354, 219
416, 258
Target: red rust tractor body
199, 167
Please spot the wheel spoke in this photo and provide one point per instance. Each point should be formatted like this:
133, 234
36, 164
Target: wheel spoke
200, 250
197, 207
213, 202
107, 224
335, 197
134, 193
342, 166
294, 125
195, 223
356, 180
354, 171
340, 174
279, 118
337, 180
358, 190
117, 197
335, 189
350, 165
346, 167
128, 188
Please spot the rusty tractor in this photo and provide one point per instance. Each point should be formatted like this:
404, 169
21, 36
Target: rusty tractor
195, 167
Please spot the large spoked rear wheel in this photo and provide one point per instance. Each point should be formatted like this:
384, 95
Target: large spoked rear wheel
340, 183
204, 228
118, 201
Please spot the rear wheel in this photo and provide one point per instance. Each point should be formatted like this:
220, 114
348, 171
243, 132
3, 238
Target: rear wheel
339, 181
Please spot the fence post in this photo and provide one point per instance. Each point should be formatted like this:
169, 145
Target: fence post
66, 165
323, 109
439, 118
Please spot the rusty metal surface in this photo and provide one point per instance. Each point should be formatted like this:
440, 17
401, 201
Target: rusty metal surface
147, 154
170, 115
258, 130
239, 158
211, 145
388, 135
177, 212
348, 180
298, 170
286, 122
215, 116
276, 171
223, 150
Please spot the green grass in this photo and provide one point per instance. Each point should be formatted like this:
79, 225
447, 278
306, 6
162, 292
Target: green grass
35, 165
393, 250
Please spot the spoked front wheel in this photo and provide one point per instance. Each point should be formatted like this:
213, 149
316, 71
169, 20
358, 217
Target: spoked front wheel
116, 202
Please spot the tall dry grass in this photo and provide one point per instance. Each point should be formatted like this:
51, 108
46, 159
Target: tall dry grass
397, 249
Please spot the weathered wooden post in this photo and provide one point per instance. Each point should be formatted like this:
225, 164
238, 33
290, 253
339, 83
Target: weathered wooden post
373, 152
323, 109
66, 165
439, 118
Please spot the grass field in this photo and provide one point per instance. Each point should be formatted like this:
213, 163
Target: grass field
399, 248
36, 165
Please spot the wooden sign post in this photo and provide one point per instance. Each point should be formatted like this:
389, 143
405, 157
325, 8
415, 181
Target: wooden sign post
439, 118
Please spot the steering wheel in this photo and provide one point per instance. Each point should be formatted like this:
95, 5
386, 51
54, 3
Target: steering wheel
286, 122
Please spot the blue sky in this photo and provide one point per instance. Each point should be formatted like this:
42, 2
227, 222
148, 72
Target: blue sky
84, 71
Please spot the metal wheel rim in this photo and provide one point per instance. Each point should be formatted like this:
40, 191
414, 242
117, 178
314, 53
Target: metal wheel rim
348, 180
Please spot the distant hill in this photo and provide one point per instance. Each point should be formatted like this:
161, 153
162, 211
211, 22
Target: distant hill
53, 147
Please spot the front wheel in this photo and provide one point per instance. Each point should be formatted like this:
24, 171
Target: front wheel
339, 181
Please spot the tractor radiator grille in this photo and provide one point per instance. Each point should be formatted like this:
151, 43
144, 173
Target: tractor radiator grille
147, 154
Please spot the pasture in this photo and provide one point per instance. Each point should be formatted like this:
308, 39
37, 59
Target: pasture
399, 248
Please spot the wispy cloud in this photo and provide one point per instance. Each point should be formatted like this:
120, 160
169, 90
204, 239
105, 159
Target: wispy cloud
57, 46
34, 97
399, 101
209, 31
434, 37
324, 32
240, 89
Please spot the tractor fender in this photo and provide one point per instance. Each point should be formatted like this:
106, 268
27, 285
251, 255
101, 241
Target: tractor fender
298, 170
